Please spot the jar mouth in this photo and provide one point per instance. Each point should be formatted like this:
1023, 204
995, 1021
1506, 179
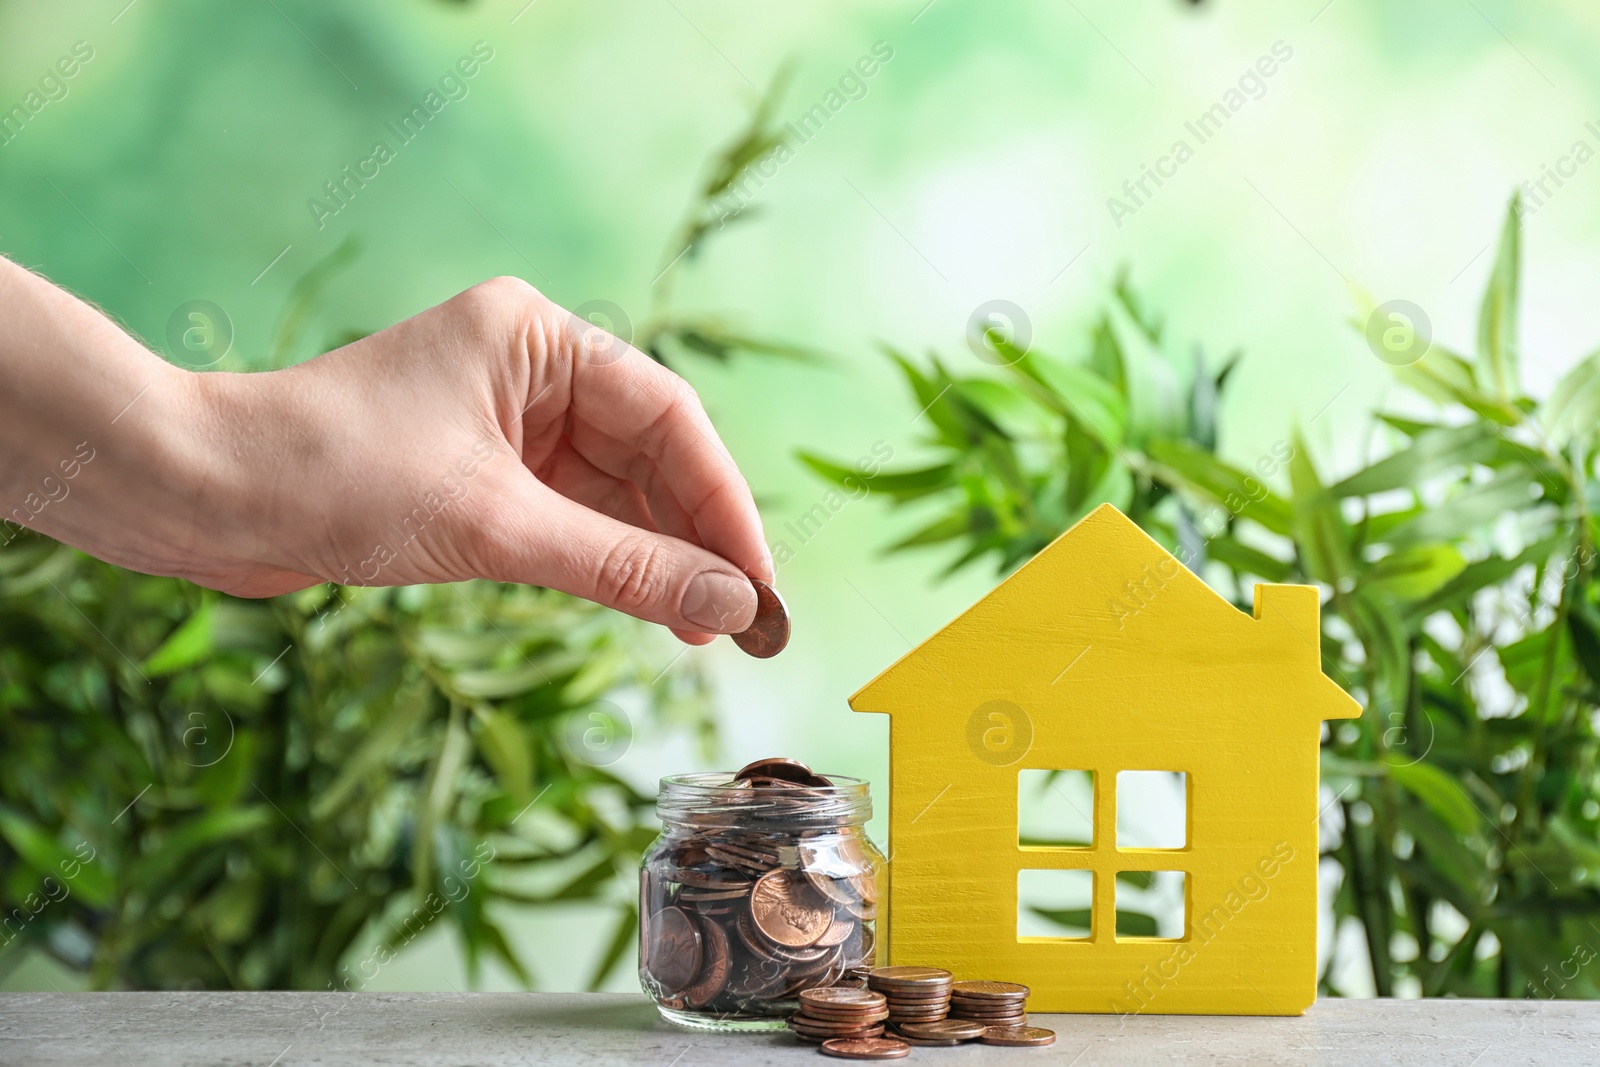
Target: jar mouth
714, 795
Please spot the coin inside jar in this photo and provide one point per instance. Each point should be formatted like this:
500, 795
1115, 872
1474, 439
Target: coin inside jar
785, 909
673, 956
767, 635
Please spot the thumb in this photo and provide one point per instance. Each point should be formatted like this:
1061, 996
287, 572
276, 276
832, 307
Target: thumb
539, 537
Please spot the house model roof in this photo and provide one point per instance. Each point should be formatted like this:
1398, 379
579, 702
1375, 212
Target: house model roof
1105, 609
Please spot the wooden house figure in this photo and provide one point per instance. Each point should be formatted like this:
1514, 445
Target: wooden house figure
1104, 654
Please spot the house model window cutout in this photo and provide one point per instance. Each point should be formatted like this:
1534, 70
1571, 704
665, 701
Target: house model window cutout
1104, 656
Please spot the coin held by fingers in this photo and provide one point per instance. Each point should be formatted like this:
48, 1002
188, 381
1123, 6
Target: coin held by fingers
767, 635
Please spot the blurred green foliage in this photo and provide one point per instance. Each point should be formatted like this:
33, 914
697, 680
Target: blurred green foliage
1462, 607
262, 784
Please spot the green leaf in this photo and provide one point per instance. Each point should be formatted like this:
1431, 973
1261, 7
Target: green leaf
1431, 453
1444, 376
907, 485
1078, 393
1473, 508
51, 859
1322, 537
495, 940
1414, 572
190, 643
496, 683
406, 709
1242, 494
198, 835
505, 748
1583, 625
1497, 315
1439, 793
1573, 407
1136, 924
1074, 918
1155, 398
1242, 559
1483, 574
948, 528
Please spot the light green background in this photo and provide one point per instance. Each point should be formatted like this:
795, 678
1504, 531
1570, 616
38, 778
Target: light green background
977, 166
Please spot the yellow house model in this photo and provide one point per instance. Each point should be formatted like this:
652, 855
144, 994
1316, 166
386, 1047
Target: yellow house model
1104, 654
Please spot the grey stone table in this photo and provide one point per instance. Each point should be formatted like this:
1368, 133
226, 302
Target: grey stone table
523, 1030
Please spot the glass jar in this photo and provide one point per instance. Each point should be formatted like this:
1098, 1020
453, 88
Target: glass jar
753, 892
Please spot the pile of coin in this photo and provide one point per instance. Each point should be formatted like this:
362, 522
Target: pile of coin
914, 994
991, 1003
765, 889
926, 1006
838, 1012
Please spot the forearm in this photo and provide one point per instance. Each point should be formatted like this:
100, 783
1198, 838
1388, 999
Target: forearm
97, 433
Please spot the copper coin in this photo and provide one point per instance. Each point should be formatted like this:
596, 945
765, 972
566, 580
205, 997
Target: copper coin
673, 958
786, 910
820, 1029
838, 997
714, 969
756, 977
989, 990
806, 1020
988, 1009
1018, 1036
866, 1048
787, 770
959, 1029
926, 1042
920, 1000
769, 632
838, 931
910, 978
830, 1018
720, 879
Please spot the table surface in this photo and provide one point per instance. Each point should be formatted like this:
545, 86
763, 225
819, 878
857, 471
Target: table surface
526, 1029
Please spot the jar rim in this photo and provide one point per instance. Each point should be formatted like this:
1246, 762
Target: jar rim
687, 797
719, 781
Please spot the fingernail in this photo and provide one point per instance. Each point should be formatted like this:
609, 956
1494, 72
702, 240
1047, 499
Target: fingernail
719, 603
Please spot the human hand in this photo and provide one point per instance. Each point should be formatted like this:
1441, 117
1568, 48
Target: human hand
494, 436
